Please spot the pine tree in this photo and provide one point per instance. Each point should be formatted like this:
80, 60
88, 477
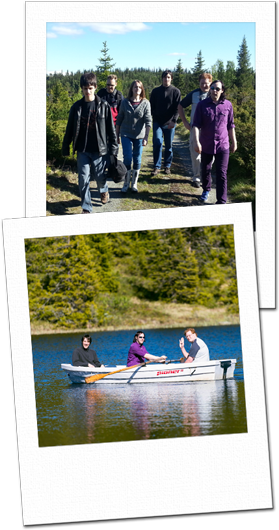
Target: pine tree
244, 72
105, 68
197, 70
218, 71
179, 78
65, 276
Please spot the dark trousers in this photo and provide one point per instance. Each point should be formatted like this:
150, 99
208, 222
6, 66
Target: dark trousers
221, 165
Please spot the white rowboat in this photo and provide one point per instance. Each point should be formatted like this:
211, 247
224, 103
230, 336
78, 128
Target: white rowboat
156, 372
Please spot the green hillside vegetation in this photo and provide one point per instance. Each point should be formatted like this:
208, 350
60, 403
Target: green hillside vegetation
62, 90
131, 279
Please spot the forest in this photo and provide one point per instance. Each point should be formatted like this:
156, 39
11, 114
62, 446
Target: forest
62, 90
103, 280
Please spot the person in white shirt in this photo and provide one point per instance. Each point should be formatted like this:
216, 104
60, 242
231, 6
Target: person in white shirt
198, 351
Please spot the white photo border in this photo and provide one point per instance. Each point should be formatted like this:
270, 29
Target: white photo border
59, 484
262, 13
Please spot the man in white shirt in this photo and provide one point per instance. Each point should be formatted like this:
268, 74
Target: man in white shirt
198, 351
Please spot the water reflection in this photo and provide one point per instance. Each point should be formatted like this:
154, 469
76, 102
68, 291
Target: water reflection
139, 412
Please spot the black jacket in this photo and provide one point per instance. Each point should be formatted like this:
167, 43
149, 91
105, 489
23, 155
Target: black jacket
116, 95
82, 357
105, 130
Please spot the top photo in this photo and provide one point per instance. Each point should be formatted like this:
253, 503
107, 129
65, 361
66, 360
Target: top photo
142, 116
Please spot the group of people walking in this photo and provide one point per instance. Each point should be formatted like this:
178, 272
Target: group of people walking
99, 122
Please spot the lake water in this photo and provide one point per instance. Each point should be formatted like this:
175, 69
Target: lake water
70, 413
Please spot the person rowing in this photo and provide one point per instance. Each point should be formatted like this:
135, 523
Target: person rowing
138, 353
198, 351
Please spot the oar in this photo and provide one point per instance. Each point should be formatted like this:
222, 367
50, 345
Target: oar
93, 378
181, 360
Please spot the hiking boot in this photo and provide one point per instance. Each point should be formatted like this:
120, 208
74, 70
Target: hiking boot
204, 196
104, 197
155, 171
167, 170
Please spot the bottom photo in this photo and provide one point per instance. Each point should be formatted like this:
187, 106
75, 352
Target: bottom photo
104, 306
137, 364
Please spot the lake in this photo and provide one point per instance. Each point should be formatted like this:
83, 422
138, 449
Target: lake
70, 413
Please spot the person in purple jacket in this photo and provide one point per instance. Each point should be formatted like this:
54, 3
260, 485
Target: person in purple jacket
214, 131
138, 353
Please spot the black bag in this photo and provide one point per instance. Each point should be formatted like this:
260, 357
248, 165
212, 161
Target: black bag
117, 170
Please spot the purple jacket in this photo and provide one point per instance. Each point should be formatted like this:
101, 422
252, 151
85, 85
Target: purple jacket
136, 354
214, 122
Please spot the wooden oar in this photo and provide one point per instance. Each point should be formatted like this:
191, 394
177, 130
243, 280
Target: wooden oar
93, 378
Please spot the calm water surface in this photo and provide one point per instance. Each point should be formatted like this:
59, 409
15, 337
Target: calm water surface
70, 413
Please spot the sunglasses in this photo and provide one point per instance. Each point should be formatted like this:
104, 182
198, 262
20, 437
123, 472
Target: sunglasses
215, 88
141, 337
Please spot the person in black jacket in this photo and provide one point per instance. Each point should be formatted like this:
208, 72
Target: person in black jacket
91, 130
112, 96
164, 102
84, 356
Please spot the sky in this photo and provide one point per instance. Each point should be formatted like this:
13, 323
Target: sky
77, 46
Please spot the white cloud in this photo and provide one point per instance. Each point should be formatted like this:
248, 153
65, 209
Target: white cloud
118, 28
67, 30
51, 35
176, 53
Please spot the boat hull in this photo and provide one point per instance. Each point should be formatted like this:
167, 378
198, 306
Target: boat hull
154, 373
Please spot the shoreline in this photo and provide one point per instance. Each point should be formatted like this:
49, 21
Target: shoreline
229, 320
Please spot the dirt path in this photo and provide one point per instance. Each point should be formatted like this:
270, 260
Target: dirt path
161, 191
119, 201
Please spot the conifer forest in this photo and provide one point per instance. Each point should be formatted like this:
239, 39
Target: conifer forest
113, 280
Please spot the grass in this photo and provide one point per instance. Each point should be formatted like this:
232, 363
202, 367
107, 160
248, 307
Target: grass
151, 315
158, 191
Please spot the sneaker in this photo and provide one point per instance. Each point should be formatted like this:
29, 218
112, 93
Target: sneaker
196, 183
155, 171
204, 196
105, 197
85, 211
167, 170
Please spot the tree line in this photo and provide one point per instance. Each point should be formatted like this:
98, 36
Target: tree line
84, 281
239, 80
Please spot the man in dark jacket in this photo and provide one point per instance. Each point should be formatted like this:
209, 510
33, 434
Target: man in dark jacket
84, 356
91, 130
164, 102
112, 96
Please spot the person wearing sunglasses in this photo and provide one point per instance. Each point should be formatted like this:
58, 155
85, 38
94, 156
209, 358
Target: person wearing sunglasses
112, 96
138, 353
214, 131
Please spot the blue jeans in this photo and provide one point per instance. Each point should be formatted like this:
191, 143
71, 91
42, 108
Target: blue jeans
159, 135
97, 163
132, 150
